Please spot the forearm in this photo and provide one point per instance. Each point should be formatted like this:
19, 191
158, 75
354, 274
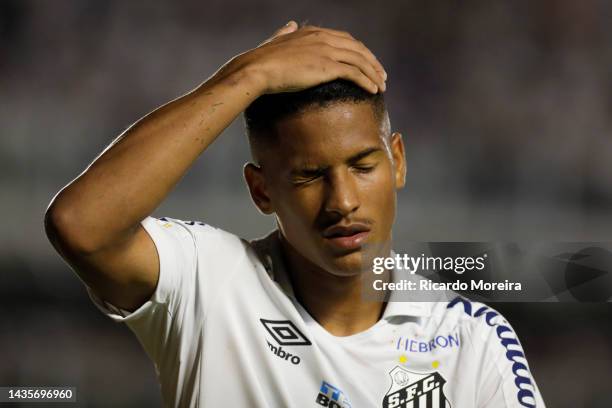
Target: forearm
138, 170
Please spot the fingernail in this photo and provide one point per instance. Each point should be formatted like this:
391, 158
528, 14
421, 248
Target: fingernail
385, 75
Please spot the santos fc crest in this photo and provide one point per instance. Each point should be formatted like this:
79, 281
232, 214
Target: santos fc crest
415, 390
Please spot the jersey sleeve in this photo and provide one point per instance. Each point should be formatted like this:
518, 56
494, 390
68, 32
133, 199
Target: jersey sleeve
195, 260
505, 377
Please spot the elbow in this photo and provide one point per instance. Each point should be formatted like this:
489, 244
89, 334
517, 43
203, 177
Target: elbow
66, 232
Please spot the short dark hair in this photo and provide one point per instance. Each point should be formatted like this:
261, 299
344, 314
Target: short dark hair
261, 115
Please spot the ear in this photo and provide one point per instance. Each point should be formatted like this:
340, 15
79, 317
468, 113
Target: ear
256, 182
399, 159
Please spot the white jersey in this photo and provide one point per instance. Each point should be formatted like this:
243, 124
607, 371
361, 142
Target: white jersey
224, 329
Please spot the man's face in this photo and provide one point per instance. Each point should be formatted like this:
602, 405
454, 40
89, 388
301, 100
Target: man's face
331, 180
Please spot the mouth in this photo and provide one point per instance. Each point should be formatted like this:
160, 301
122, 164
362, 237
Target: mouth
347, 237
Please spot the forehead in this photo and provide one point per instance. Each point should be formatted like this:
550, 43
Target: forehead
324, 135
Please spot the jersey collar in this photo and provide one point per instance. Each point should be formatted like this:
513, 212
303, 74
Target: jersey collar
399, 305
412, 303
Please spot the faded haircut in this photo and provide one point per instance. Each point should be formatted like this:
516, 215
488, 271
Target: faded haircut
261, 116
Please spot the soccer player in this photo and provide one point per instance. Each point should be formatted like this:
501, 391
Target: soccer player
280, 321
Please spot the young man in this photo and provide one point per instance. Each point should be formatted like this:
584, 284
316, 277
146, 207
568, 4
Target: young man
279, 322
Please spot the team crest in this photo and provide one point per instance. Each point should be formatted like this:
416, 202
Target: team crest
415, 390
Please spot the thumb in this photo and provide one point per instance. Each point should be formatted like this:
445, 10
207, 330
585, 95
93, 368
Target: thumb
290, 27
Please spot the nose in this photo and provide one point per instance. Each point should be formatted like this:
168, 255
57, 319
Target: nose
342, 196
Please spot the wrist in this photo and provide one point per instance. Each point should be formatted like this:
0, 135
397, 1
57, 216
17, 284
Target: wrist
240, 73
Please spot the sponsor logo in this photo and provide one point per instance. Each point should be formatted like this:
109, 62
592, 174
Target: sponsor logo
414, 390
279, 352
284, 333
332, 397
514, 353
419, 346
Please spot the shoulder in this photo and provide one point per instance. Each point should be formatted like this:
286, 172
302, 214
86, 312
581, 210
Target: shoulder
477, 314
488, 330
481, 320
197, 234
183, 227
191, 251
497, 343
197, 261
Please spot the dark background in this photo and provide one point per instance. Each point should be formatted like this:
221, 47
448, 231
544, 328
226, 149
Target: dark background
505, 107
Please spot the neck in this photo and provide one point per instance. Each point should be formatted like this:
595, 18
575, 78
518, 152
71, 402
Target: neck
335, 302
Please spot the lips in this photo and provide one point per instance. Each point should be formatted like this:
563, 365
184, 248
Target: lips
347, 237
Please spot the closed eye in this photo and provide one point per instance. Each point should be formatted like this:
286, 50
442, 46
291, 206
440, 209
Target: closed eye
307, 176
364, 168
301, 180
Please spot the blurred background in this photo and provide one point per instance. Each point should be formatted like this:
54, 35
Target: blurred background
505, 107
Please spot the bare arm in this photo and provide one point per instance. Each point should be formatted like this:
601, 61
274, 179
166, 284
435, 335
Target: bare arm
94, 222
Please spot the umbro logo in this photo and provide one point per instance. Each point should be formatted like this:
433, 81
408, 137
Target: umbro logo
285, 333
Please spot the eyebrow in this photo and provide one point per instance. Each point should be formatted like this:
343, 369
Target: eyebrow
306, 169
363, 154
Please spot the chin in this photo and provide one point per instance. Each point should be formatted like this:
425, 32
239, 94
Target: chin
352, 264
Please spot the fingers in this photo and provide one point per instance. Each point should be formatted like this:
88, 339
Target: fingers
354, 74
336, 52
290, 27
328, 31
346, 40
365, 60
359, 61
358, 46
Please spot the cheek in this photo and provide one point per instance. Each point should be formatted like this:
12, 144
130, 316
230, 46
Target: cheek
379, 191
298, 208
380, 185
